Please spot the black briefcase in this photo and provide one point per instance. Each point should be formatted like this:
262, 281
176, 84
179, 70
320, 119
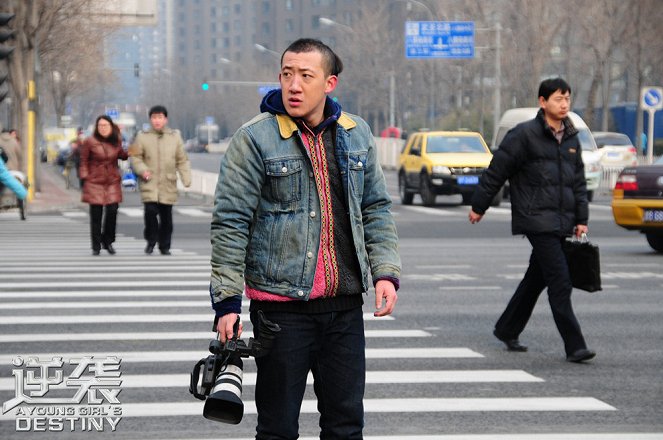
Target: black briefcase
584, 263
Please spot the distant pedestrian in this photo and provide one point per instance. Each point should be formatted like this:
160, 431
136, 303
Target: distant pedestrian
157, 157
101, 181
13, 151
542, 161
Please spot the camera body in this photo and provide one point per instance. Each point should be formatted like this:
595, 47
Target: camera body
222, 372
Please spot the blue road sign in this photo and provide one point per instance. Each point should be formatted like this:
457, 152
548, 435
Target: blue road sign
439, 39
112, 112
652, 98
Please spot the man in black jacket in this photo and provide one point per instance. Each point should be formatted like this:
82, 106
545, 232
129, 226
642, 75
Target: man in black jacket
541, 158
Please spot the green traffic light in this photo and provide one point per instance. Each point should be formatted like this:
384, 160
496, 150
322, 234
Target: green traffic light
205, 86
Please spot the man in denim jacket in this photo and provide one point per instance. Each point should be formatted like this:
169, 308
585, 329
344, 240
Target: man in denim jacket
301, 224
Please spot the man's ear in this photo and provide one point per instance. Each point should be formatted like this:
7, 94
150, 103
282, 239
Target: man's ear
331, 82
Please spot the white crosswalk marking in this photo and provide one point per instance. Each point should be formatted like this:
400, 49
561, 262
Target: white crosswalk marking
53, 294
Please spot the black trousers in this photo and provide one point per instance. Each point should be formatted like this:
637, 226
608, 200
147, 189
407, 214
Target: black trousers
103, 220
547, 268
158, 224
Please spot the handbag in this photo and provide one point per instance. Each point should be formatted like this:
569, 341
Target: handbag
584, 263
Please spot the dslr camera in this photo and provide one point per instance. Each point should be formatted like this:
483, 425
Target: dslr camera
221, 379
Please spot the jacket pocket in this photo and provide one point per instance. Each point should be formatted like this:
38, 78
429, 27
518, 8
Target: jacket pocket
284, 179
356, 166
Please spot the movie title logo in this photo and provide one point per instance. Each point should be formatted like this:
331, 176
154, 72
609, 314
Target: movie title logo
84, 400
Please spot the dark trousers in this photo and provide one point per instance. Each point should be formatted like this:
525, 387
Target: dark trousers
547, 267
331, 346
103, 220
158, 224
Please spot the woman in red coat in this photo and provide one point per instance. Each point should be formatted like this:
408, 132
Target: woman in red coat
102, 183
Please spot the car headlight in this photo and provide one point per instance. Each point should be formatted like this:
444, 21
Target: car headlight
439, 169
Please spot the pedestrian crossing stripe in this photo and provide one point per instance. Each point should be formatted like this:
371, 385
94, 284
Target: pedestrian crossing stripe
168, 336
124, 318
193, 356
402, 405
533, 436
372, 377
124, 283
194, 212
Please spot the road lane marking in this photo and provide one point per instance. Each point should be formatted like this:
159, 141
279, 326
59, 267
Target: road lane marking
193, 356
413, 405
372, 377
167, 336
194, 212
133, 318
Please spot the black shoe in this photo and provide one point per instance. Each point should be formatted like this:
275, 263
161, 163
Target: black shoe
581, 355
95, 251
511, 344
149, 249
164, 251
109, 248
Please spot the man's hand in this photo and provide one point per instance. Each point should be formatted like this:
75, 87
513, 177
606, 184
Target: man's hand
225, 327
146, 175
581, 229
474, 217
385, 290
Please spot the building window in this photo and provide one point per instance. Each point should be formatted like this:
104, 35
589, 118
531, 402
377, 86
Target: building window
289, 6
238, 9
289, 27
315, 2
225, 11
315, 21
265, 28
265, 7
226, 27
238, 40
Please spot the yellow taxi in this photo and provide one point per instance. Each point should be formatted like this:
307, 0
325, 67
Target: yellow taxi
637, 201
436, 163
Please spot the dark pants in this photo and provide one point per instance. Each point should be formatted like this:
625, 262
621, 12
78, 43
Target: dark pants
102, 236
547, 267
332, 346
158, 224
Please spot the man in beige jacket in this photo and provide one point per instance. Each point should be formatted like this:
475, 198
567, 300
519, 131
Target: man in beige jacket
157, 156
13, 150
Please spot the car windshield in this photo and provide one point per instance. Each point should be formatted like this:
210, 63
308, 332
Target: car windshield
454, 144
612, 140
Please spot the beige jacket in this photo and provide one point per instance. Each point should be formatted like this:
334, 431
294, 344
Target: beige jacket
13, 151
164, 156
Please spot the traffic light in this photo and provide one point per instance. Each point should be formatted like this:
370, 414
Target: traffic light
205, 86
5, 34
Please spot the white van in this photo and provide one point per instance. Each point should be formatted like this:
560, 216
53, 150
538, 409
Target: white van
591, 155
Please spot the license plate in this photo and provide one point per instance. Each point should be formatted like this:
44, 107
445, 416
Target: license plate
653, 216
467, 180
614, 154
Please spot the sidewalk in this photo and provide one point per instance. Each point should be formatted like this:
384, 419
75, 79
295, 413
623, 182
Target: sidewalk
53, 195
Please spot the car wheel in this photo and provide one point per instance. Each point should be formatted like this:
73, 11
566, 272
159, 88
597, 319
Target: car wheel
406, 196
655, 240
427, 195
590, 196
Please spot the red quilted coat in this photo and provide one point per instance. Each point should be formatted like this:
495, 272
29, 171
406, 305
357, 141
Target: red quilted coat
99, 170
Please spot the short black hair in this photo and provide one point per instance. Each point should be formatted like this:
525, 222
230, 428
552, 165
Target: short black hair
551, 85
331, 62
158, 109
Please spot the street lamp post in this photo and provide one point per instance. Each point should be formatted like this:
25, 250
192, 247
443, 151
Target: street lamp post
261, 48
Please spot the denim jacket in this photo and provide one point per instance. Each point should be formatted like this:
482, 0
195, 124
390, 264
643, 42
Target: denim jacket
266, 223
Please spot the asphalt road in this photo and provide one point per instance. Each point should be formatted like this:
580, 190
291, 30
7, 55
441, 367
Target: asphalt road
434, 369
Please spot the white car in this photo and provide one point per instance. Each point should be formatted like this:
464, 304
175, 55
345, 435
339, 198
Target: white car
591, 155
616, 148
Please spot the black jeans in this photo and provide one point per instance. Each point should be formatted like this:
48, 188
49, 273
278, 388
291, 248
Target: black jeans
102, 235
158, 224
331, 346
547, 267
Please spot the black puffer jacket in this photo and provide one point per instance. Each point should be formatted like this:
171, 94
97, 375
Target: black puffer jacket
547, 179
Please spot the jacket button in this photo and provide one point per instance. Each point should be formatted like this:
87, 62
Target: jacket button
284, 169
300, 293
312, 214
309, 254
359, 164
